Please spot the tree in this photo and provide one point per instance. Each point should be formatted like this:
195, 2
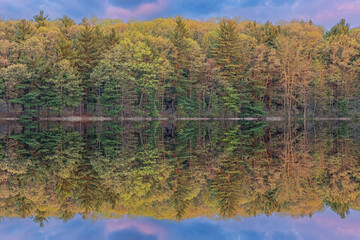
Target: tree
145, 69
240, 96
342, 65
41, 19
12, 77
64, 49
179, 54
66, 22
218, 68
89, 44
67, 85
9, 53
24, 30
340, 28
115, 82
111, 39
226, 50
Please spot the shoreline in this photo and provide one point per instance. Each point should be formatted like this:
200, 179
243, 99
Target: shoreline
103, 119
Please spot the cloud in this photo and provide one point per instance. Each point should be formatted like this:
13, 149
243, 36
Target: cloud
325, 12
344, 9
323, 226
198, 8
28, 8
144, 226
130, 234
143, 11
129, 4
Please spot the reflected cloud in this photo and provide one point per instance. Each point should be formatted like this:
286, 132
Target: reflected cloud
325, 225
144, 226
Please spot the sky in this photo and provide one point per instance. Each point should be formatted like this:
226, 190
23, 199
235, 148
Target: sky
322, 12
322, 226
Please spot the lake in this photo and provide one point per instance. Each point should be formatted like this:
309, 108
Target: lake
182, 180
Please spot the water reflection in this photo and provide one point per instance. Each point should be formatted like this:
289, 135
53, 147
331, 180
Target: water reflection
326, 225
192, 169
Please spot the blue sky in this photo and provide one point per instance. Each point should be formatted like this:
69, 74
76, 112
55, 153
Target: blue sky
324, 12
322, 226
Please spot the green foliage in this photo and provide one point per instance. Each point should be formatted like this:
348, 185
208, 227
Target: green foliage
213, 169
226, 50
340, 28
24, 30
178, 67
41, 19
66, 86
66, 22
112, 39
64, 49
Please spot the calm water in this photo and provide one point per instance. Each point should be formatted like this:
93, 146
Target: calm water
189, 180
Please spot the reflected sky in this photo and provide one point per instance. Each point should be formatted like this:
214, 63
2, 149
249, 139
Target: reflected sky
325, 225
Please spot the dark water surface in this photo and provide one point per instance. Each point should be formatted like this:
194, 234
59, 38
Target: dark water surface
189, 180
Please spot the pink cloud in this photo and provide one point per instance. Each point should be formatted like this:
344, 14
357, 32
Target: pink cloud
349, 230
341, 227
344, 9
142, 226
143, 11
349, 6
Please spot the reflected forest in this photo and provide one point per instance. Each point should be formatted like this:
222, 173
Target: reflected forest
213, 169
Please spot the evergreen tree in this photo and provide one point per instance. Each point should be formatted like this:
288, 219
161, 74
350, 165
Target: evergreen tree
24, 30
68, 91
111, 39
226, 50
114, 79
66, 22
41, 19
179, 57
89, 45
64, 49
237, 90
145, 69
12, 77
181, 45
340, 28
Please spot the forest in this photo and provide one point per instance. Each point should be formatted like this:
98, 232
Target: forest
178, 67
212, 169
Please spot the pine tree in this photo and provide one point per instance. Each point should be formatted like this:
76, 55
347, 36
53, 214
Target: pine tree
12, 77
239, 95
41, 19
64, 49
24, 30
114, 79
182, 46
179, 55
269, 33
89, 44
145, 67
66, 87
226, 50
112, 39
66, 22
340, 28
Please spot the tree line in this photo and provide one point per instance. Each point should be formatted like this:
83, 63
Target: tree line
216, 68
212, 169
